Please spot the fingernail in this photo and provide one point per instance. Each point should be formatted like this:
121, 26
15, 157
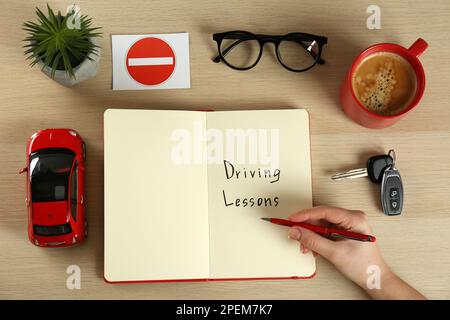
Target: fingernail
294, 234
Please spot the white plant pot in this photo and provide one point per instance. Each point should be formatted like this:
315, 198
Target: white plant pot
85, 70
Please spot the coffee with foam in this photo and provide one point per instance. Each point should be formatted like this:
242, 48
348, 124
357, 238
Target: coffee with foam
384, 83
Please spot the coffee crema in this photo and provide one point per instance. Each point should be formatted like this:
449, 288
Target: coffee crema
384, 83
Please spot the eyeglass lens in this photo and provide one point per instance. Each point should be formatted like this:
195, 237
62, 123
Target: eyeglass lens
240, 50
298, 54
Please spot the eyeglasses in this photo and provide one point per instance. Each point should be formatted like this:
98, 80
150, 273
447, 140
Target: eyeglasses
241, 50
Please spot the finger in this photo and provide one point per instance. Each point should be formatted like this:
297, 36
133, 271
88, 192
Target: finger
303, 249
317, 243
331, 214
342, 217
319, 222
294, 233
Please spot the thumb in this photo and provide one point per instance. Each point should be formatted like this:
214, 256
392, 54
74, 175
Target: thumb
314, 242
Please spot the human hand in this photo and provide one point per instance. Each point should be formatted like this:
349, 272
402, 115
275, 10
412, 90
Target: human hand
350, 257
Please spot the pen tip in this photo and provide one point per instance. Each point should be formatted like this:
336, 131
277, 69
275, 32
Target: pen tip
266, 219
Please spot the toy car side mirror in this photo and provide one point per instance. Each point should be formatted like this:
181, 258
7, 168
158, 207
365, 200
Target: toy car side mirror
23, 170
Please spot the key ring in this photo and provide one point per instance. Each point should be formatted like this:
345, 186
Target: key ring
391, 153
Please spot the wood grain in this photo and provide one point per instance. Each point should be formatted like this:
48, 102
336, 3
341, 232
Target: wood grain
415, 244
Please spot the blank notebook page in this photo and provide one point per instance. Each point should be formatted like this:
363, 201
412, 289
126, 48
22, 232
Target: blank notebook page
156, 224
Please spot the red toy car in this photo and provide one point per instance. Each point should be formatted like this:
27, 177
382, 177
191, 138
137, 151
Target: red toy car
55, 188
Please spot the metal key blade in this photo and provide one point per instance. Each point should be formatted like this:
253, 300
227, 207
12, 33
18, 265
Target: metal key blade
350, 174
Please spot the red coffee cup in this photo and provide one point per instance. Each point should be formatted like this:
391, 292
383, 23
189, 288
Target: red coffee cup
357, 111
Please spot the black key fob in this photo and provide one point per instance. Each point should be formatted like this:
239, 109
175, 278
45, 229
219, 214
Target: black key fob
376, 166
392, 192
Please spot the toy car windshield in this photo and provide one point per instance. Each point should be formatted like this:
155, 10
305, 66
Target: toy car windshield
49, 174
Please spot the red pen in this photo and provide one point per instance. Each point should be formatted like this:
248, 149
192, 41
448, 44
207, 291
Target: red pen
323, 230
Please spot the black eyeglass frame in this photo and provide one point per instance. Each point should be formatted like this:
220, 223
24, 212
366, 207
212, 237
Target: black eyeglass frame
276, 40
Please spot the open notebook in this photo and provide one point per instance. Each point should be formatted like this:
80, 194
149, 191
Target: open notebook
185, 191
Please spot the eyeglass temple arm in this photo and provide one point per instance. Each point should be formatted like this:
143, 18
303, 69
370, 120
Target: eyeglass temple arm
234, 44
313, 54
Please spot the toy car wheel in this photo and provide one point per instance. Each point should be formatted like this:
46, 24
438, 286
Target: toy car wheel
84, 151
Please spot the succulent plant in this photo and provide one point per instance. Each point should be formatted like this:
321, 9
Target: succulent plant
57, 43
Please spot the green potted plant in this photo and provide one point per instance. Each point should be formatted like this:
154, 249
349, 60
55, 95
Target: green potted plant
65, 47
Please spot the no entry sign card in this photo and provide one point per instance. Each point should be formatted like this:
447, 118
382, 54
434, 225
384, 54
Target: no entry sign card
151, 61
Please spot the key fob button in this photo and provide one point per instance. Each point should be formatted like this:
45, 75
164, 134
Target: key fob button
394, 205
393, 193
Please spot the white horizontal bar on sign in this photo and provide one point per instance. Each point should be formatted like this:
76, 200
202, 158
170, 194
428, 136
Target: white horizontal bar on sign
150, 61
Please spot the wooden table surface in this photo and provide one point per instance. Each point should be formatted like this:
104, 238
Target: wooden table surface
415, 244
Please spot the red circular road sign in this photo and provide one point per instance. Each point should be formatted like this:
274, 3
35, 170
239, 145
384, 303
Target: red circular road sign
150, 61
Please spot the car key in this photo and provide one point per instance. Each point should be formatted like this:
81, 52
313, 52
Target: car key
374, 169
392, 191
